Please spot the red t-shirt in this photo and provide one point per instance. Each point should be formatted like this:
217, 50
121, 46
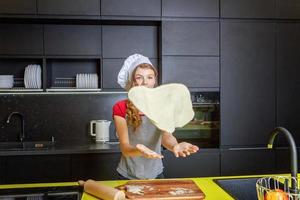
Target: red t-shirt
119, 108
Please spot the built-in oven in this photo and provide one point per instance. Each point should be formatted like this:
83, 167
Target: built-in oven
204, 129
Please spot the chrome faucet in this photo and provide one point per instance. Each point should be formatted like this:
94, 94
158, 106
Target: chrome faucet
293, 148
22, 133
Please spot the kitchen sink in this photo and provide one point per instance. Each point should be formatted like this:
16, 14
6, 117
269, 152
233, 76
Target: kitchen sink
240, 189
49, 193
30, 145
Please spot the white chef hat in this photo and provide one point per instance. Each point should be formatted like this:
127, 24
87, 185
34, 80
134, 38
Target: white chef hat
129, 65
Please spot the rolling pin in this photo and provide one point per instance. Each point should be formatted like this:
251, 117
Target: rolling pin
102, 191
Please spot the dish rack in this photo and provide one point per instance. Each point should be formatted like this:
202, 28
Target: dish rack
283, 187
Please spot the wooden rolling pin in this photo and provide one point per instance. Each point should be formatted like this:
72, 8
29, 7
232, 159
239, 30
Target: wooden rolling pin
102, 191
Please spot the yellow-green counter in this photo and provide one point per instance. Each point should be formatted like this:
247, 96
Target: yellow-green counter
211, 190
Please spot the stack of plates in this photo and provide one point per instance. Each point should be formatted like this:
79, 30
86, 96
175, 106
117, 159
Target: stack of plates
6, 81
33, 76
87, 81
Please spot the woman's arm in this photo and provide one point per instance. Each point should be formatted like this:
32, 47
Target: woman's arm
126, 148
182, 149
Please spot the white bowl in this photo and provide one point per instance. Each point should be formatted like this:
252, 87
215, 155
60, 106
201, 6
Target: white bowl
6, 81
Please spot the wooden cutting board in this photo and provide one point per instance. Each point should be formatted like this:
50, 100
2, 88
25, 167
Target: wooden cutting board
162, 190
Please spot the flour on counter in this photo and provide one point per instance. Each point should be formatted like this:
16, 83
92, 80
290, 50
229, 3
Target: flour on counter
138, 189
180, 191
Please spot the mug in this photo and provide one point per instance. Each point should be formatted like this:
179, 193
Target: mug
100, 130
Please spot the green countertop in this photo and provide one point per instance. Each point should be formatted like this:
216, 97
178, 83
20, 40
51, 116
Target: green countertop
207, 185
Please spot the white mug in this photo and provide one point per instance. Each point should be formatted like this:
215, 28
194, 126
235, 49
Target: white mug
100, 130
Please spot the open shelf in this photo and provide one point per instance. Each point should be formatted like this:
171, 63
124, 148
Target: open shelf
16, 67
61, 73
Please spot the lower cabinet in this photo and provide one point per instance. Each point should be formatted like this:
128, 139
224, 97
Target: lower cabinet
247, 161
206, 162
283, 160
2, 172
37, 168
95, 166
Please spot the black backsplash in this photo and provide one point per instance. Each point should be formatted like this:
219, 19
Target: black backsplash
64, 116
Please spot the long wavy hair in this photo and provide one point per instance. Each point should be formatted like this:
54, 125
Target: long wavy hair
133, 118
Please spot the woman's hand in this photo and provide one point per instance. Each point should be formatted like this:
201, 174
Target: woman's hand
148, 153
184, 149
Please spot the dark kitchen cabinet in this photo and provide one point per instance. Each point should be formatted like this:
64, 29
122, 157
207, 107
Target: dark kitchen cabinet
95, 166
37, 168
123, 8
247, 162
122, 41
248, 9
190, 8
190, 38
73, 40
247, 82
111, 68
206, 162
20, 7
288, 82
283, 160
2, 172
69, 7
288, 9
25, 39
194, 72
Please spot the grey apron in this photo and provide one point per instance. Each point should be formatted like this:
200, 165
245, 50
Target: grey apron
139, 167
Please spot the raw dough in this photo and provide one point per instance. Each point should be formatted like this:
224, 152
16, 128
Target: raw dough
167, 106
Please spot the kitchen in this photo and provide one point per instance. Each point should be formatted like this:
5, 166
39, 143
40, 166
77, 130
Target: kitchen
239, 60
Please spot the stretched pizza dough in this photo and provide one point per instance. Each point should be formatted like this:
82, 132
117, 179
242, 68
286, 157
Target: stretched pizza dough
167, 106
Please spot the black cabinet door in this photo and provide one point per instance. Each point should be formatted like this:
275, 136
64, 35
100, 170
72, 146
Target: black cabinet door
194, 72
288, 9
190, 38
288, 81
190, 8
38, 168
69, 7
248, 9
203, 163
72, 40
247, 82
18, 7
122, 41
247, 162
111, 68
283, 160
21, 39
95, 166
131, 8
2, 168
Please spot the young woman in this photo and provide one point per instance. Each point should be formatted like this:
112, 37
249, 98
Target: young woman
140, 140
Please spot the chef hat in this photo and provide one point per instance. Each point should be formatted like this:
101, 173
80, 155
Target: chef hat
129, 65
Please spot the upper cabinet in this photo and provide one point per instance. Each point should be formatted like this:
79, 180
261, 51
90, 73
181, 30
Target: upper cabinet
69, 7
288, 82
73, 40
22, 39
194, 72
190, 8
144, 8
23, 7
248, 8
190, 38
247, 82
122, 41
288, 9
